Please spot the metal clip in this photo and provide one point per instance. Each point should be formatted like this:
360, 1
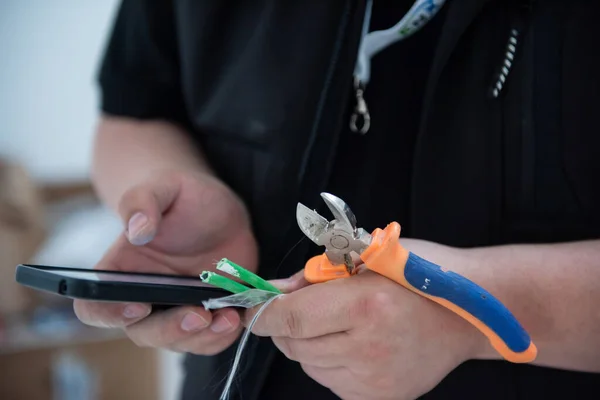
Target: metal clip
360, 122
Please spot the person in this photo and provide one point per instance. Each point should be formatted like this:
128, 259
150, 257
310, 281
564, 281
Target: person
218, 118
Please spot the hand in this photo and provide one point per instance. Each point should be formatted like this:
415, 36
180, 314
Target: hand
177, 223
367, 337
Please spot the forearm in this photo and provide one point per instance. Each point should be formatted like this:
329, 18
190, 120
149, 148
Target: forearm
126, 151
553, 290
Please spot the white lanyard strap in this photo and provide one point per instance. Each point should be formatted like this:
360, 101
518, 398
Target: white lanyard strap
372, 43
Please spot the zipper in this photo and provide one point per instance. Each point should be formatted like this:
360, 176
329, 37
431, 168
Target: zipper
343, 28
332, 102
306, 175
352, 37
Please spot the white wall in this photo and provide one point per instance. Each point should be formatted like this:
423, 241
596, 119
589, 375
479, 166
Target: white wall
49, 53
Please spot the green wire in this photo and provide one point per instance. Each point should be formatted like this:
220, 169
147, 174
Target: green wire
224, 283
231, 268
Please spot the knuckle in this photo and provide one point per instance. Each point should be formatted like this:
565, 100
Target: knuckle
381, 305
292, 324
375, 306
381, 301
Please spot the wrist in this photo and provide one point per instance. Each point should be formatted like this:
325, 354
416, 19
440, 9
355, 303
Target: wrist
473, 265
470, 342
470, 264
474, 343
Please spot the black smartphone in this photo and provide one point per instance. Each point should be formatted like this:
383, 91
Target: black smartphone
162, 291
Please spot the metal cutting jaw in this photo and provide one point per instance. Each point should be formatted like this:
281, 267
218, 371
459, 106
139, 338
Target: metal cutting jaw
340, 236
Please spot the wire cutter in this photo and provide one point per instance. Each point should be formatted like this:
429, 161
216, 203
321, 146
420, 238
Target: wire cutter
381, 252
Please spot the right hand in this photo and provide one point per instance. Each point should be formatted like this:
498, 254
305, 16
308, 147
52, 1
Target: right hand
177, 223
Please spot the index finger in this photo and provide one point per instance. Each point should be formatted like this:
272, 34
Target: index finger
312, 311
104, 314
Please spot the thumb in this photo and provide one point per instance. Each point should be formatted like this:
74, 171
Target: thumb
142, 206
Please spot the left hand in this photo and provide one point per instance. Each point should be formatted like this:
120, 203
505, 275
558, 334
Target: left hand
367, 337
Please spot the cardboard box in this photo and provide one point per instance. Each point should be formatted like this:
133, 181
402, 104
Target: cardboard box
107, 370
86, 364
22, 231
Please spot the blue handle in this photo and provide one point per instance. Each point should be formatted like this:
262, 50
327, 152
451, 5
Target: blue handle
429, 279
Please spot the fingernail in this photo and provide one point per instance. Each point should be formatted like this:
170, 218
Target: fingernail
193, 322
221, 324
137, 230
133, 311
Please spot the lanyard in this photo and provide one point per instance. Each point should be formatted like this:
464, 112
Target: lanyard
372, 43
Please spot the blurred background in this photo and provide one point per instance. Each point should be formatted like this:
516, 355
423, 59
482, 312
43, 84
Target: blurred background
49, 54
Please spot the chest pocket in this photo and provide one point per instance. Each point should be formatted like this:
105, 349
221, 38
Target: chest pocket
550, 141
547, 136
524, 167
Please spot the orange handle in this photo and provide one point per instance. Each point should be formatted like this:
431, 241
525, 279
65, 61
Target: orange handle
387, 257
319, 269
384, 255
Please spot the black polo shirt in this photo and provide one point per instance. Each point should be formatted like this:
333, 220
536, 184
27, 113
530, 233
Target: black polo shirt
372, 172
516, 169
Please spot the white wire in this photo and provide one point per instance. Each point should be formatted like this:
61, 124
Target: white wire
241, 347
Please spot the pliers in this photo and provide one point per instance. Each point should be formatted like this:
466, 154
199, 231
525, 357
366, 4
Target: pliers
381, 252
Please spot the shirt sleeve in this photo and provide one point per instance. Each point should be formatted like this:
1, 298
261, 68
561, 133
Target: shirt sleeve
139, 71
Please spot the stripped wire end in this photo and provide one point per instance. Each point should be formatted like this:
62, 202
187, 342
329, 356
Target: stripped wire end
222, 282
237, 271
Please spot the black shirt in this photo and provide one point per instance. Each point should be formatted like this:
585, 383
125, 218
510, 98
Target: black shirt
468, 171
377, 192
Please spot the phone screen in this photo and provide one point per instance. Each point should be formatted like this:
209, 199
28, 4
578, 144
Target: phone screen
94, 275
